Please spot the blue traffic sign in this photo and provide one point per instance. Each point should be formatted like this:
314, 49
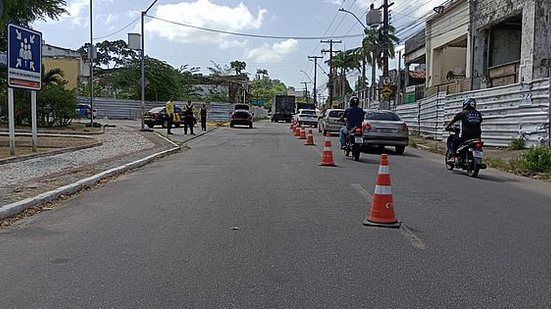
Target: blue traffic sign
24, 58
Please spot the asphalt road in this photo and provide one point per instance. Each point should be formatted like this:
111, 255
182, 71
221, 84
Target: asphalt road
245, 218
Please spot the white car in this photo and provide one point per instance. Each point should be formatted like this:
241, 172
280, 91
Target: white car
307, 117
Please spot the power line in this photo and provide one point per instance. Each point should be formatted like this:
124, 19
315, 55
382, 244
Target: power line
118, 31
251, 35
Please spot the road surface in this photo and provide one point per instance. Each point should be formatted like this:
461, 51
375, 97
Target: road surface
245, 218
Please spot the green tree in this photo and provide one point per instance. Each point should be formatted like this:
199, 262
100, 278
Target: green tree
112, 54
56, 106
238, 66
266, 88
24, 12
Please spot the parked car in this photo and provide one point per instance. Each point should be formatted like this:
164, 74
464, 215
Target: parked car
241, 117
85, 111
307, 117
384, 128
329, 120
157, 116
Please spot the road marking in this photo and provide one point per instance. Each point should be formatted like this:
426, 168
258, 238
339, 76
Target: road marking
404, 230
362, 191
413, 239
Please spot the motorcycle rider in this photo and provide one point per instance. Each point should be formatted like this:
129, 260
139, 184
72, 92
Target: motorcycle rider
470, 125
354, 117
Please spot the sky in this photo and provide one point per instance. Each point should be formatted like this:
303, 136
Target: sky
285, 57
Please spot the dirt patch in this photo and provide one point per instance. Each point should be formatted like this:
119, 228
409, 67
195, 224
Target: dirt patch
23, 144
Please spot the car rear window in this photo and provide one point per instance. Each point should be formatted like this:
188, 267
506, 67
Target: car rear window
308, 113
390, 116
335, 114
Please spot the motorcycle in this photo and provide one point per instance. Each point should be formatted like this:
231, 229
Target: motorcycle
468, 155
353, 144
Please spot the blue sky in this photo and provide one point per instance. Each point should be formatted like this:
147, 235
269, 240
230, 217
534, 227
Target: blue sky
283, 58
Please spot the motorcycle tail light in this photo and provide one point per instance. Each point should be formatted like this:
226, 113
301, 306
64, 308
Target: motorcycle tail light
358, 130
478, 145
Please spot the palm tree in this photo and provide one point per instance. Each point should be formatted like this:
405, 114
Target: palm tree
345, 61
53, 77
375, 48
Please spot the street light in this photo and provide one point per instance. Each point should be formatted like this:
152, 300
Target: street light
363, 58
142, 53
351, 13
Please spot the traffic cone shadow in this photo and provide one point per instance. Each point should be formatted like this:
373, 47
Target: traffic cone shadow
327, 154
382, 208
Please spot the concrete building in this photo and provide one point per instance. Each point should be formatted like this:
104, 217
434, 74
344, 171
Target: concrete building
511, 40
476, 44
74, 68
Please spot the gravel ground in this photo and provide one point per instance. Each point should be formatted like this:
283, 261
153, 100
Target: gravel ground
121, 144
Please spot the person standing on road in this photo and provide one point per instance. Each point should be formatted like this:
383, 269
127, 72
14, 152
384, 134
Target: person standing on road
169, 114
203, 118
189, 120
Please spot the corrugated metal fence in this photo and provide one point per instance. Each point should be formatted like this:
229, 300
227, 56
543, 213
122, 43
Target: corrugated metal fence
130, 109
513, 111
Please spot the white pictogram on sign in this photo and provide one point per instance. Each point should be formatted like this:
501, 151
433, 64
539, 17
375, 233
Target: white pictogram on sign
25, 53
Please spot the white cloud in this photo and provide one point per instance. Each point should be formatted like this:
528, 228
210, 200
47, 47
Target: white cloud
78, 12
335, 2
203, 13
273, 53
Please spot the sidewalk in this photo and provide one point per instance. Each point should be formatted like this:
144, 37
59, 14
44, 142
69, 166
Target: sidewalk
42, 179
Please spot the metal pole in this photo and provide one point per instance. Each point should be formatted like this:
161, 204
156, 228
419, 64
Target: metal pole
33, 119
91, 68
142, 80
11, 119
397, 99
549, 112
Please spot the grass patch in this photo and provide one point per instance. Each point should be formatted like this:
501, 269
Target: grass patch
516, 144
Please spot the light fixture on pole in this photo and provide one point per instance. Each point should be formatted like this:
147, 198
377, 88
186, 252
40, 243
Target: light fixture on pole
143, 80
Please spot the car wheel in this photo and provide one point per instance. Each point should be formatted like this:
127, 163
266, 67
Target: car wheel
400, 149
177, 125
150, 125
164, 124
250, 126
231, 125
324, 132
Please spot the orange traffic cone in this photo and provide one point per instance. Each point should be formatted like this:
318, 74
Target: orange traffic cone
297, 130
309, 138
382, 209
302, 133
327, 155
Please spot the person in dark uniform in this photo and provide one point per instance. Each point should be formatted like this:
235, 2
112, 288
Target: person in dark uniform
169, 114
203, 113
471, 119
189, 120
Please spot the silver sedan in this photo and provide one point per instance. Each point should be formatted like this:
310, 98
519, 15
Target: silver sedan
384, 128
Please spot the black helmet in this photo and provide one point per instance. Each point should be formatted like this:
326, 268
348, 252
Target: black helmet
354, 101
469, 103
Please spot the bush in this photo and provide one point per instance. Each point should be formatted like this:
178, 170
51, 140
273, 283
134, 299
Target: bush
516, 144
56, 106
536, 159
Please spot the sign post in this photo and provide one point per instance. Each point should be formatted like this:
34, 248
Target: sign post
24, 72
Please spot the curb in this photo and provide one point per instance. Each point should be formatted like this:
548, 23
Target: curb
9, 210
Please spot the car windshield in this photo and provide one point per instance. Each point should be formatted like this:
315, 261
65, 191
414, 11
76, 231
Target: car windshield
335, 114
390, 116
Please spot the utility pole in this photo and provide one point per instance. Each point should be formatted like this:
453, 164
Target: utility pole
385, 37
330, 51
306, 91
91, 49
315, 77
